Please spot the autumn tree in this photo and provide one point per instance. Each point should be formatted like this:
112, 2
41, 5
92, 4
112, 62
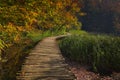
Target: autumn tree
17, 17
46, 14
102, 16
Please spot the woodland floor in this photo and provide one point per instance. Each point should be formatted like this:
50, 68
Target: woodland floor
83, 72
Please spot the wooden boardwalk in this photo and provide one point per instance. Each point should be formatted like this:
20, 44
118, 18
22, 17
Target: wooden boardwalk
45, 63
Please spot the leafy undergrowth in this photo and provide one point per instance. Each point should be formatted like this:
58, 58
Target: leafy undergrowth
101, 52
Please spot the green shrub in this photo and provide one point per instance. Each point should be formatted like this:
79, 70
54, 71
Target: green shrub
100, 52
78, 32
38, 35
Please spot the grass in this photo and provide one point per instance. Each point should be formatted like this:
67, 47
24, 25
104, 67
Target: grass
101, 52
36, 36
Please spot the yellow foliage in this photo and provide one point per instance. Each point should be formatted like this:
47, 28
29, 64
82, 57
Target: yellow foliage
23, 10
83, 14
20, 28
69, 16
17, 38
11, 33
35, 14
59, 5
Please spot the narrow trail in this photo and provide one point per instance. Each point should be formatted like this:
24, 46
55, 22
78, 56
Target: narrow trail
45, 63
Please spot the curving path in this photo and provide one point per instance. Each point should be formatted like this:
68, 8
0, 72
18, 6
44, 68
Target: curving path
45, 63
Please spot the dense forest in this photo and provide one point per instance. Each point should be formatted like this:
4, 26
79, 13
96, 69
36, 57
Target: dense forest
23, 23
102, 16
